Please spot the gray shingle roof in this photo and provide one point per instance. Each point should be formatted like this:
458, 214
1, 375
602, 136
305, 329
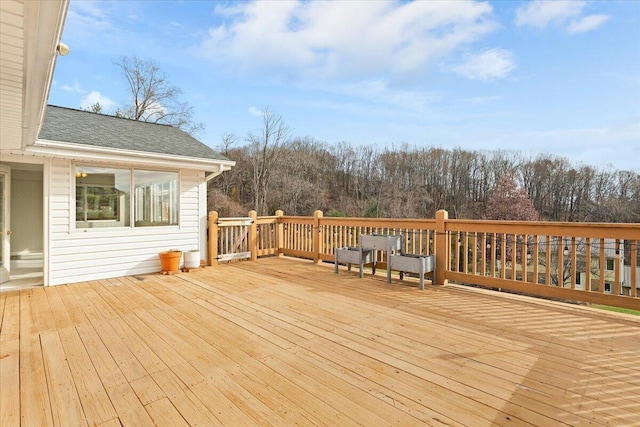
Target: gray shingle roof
99, 130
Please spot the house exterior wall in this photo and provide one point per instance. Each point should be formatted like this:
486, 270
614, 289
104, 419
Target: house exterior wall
627, 277
77, 255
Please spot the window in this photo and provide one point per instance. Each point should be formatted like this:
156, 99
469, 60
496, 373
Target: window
156, 198
103, 197
611, 264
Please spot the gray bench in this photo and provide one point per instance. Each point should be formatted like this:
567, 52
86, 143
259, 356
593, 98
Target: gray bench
412, 263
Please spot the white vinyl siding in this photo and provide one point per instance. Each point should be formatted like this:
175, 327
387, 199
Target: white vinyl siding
78, 255
59, 197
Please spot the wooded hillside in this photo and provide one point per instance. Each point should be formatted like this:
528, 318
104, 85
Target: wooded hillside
303, 175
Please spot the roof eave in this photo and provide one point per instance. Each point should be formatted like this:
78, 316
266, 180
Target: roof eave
43, 26
81, 152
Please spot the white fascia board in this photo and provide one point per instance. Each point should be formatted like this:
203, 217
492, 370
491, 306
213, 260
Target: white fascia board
79, 152
43, 24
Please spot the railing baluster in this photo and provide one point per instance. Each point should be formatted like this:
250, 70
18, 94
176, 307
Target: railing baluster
534, 258
485, 246
494, 253
633, 264
573, 263
616, 268
523, 258
504, 253
548, 260
602, 265
587, 272
513, 250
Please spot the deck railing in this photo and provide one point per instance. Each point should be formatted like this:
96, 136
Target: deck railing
589, 262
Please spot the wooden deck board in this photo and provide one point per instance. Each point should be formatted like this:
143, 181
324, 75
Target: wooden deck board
3, 299
10, 372
93, 396
164, 413
10, 359
65, 402
35, 406
287, 342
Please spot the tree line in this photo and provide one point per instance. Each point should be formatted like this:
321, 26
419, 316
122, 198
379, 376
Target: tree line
300, 175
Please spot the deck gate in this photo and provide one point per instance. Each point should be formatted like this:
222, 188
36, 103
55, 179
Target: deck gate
233, 239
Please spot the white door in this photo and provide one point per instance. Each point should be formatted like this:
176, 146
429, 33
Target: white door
5, 237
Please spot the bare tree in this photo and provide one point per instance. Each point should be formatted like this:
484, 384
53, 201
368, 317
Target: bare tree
298, 183
153, 97
264, 151
227, 181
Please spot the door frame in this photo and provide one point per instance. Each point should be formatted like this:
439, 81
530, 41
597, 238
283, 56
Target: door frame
5, 225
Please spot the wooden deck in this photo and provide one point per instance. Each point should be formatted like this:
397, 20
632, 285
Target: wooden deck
285, 342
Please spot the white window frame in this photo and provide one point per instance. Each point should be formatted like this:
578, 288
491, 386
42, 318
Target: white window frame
132, 204
613, 264
156, 200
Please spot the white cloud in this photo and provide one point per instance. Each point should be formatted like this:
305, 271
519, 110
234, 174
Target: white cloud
379, 92
541, 13
561, 13
488, 65
255, 112
587, 23
95, 96
344, 39
89, 17
110, 22
76, 87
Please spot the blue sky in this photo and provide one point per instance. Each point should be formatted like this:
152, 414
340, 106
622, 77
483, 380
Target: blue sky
538, 77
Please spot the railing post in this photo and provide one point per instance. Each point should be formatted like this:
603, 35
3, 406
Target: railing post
442, 246
279, 232
212, 255
317, 236
253, 235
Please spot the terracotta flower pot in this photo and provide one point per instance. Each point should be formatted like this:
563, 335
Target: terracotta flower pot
170, 261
